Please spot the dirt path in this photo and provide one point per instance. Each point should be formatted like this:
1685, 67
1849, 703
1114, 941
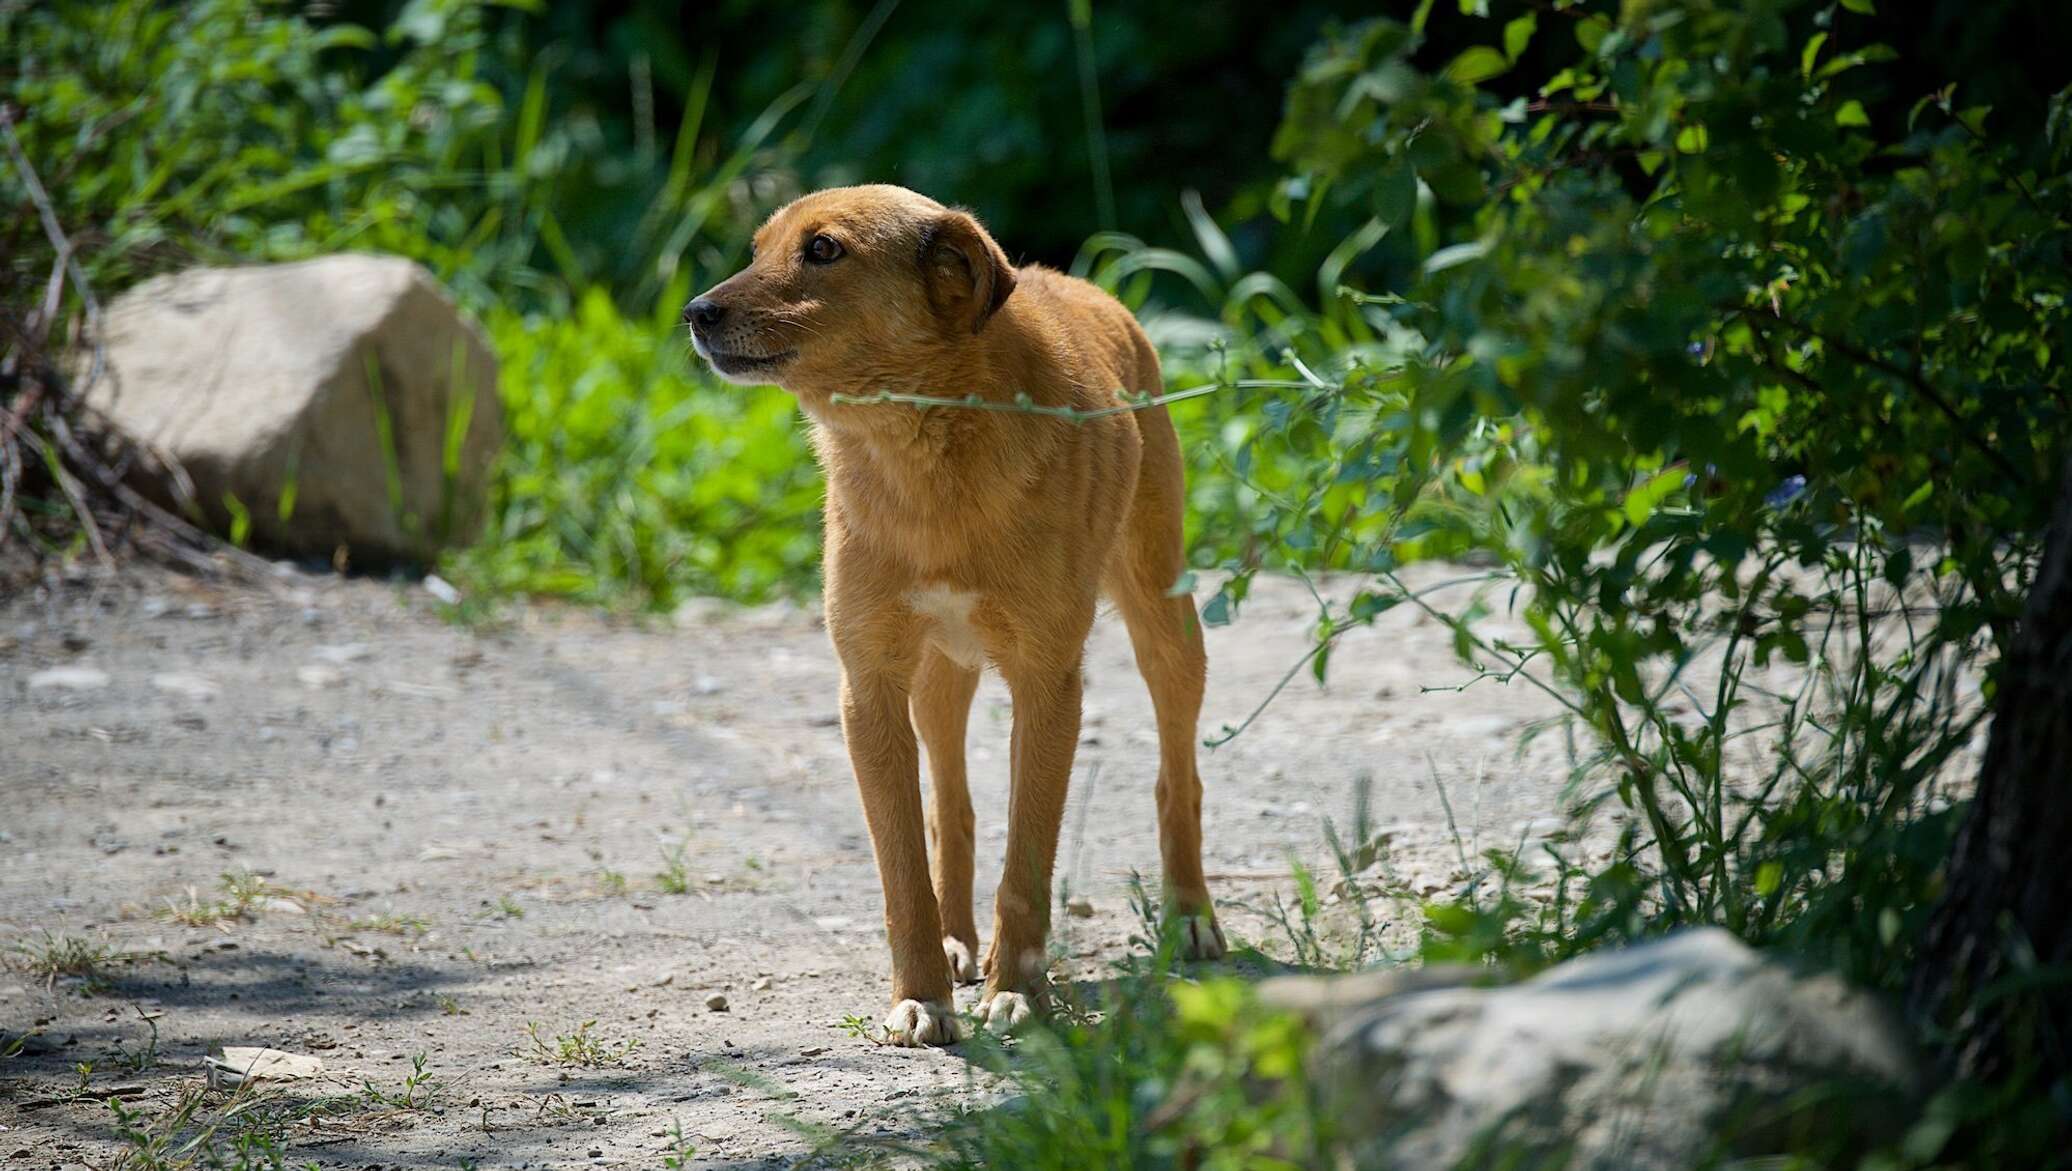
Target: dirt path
476, 822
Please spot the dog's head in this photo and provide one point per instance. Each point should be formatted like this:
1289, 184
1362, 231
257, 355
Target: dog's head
852, 288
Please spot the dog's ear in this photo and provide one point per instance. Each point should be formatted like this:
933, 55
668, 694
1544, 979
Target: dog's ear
967, 275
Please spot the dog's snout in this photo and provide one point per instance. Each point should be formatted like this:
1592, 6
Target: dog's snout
703, 313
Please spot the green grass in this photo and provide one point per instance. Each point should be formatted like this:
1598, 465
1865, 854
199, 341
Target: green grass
632, 479
577, 1049
240, 892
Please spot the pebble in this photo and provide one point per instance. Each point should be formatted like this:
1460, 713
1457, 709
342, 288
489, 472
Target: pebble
762, 984
69, 679
317, 676
441, 589
1079, 908
186, 686
341, 653
717, 1002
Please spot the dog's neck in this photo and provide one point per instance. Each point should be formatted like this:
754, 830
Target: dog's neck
873, 409
931, 458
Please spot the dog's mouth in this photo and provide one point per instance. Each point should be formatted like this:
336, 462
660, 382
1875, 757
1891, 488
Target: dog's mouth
735, 363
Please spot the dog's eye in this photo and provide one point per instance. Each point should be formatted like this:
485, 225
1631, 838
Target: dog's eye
823, 250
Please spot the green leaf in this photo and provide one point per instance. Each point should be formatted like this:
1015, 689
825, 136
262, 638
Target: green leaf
1476, 64
1457, 254
1395, 193
1518, 34
1811, 54
1768, 877
1591, 31
1852, 114
1642, 501
1864, 6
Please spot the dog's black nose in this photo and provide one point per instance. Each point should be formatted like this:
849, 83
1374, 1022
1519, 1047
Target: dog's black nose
703, 312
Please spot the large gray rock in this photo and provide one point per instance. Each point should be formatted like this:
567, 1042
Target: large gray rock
1673, 1054
332, 382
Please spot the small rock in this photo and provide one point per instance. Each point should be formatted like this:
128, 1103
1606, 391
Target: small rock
762, 984
317, 676
664, 981
1079, 908
717, 1002
241, 1063
708, 685
441, 589
69, 679
342, 653
186, 686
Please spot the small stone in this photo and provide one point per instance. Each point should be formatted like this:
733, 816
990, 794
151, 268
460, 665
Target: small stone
186, 686
69, 679
1079, 908
441, 589
317, 676
717, 1002
342, 653
762, 984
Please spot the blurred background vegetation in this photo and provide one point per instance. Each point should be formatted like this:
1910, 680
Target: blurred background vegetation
1714, 333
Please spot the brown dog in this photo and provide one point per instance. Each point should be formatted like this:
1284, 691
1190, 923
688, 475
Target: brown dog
959, 537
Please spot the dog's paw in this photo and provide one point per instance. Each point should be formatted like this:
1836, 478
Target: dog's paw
1004, 1012
963, 969
922, 1022
1199, 936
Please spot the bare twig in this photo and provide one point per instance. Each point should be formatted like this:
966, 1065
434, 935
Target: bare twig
38, 424
1023, 405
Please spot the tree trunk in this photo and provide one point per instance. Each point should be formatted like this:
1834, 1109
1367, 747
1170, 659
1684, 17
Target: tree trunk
1995, 973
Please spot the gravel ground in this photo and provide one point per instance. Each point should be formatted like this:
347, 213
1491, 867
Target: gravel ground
465, 833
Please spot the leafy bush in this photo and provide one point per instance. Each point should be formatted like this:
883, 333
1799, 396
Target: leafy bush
238, 130
628, 477
1712, 393
1741, 382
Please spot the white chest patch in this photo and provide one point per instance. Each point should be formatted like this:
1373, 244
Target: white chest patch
948, 613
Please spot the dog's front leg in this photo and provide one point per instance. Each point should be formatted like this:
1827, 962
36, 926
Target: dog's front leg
1046, 733
883, 753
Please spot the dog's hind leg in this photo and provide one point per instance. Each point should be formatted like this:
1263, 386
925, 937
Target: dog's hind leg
1166, 634
941, 705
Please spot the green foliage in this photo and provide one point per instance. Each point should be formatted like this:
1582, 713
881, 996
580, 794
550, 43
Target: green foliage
238, 130
1714, 393
627, 477
1165, 1075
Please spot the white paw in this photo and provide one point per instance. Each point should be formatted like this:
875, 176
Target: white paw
1199, 936
1003, 1012
922, 1022
963, 969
